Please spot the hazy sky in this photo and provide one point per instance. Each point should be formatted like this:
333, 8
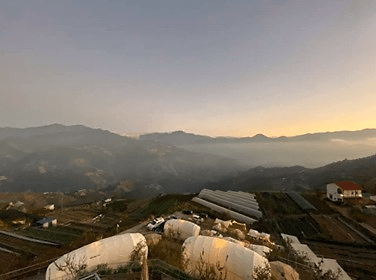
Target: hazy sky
233, 68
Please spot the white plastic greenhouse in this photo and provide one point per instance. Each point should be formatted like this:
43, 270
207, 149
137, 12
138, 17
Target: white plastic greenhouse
239, 200
230, 197
181, 229
113, 251
204, 252
234, 215
243, 195
230, 203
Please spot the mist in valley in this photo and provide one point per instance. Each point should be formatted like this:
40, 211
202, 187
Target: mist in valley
279, 154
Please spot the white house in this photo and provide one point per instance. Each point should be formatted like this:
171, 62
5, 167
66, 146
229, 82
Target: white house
339, 190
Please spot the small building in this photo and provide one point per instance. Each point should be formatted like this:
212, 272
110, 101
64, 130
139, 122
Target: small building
46, 222
339, 190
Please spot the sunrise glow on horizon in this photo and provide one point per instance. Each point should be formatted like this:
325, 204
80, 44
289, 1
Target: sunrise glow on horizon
213, 68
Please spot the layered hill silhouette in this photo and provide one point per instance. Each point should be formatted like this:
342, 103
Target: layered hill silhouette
308, 150
66, 158
301, 179
62, 158
181, 137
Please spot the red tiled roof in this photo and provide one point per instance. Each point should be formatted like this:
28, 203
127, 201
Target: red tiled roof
348, 186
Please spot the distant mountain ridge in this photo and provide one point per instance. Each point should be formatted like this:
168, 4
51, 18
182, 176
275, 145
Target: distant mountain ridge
183, 138
298, 178
65, 158
60, 158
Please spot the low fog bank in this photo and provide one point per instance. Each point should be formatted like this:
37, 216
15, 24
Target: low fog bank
308, 154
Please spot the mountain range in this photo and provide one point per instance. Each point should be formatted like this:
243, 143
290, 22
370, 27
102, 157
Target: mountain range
183, 138
68, 158
64, 158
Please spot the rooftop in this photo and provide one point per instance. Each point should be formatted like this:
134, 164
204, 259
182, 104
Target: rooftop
348, 186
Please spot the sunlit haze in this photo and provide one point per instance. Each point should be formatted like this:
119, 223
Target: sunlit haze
219, 68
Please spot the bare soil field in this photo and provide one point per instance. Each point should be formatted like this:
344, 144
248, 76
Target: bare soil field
75, 214
302, 227
371, 220
318, 200
8, 262
23, 247
336, 230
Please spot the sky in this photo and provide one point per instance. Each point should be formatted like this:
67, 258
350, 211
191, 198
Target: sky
218, 68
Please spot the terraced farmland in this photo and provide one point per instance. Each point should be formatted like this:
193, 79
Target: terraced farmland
23, 246
336, 230
302, 227
276, 204
57, 234
358, 261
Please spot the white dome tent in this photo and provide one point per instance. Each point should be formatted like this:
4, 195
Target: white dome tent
113, 251
238, 263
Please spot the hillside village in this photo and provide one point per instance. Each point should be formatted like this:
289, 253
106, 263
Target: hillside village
209, 235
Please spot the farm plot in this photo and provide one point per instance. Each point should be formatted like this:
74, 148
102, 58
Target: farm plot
57, 234
336, 230
302, 227
23, 246
80, 215
318, 201
303, 204
275, 204
8, 262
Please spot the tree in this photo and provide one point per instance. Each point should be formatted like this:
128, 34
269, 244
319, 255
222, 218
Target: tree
72, 267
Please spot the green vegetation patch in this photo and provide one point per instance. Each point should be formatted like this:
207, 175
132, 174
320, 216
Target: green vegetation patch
62, 235
118, 206
166, 204
277, 204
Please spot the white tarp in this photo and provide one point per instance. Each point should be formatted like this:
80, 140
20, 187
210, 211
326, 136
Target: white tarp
181, 229
201, 252
290, 238
260, 249
259, 235
113, 251
326, 264
225, 224
331, 264
240, 226
304, 251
